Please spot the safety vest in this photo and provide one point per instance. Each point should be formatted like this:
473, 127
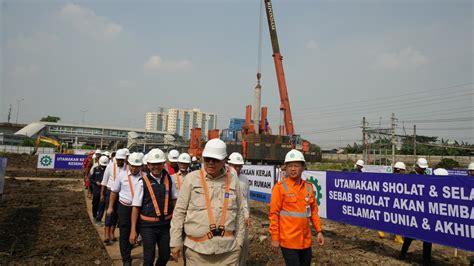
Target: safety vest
156, 208
213, 229
292, 212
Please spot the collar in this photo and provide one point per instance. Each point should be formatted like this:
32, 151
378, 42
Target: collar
222, 174
294, 183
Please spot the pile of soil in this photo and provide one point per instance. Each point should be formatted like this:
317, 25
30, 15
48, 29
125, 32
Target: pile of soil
346, 244
25, 165
45, 222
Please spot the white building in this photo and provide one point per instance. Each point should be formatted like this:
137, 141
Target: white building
156, 121
181, 121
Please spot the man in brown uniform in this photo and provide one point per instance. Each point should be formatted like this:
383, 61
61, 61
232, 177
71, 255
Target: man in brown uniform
210, 209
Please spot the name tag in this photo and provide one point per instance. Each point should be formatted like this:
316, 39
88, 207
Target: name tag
226, 195
308, 211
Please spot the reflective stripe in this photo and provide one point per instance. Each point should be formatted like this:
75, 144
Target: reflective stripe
285, 186
293, 214
308, 189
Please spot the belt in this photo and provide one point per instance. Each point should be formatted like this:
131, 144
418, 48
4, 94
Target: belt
210, 235
154, 219
125, 204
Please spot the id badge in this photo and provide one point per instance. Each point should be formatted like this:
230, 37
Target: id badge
308, 211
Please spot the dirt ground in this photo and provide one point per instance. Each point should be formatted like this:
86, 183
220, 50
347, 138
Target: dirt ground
45, 222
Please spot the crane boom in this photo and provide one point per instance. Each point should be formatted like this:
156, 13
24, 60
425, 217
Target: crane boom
278, 59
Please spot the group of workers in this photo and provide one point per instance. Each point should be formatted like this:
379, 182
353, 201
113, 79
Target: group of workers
201, 214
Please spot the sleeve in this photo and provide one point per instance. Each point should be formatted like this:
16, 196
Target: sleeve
244, 186
117, 184
314, 212
240, 226
274, 214
138, 194
105, 179
91, 171
179, 213
174, 192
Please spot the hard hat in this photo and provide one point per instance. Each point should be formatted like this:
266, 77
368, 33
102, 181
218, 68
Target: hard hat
400, 165
104, 160
440, 171
121, 154
195, 159
236, 158
360, 163
422, 163
173, 156
106, 153
294, 156
471, 167
145, 157
97, 151
127, 151
135, 159
184, 158
156, 156
215, 148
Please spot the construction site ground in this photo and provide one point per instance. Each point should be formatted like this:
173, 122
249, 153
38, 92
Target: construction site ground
47, 221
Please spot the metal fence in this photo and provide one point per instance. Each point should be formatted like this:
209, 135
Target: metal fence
21, 149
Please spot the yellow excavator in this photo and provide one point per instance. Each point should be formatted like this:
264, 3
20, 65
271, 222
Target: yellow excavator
57, 144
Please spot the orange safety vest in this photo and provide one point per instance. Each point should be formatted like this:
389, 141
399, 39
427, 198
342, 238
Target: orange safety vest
155, 203
213, 230
291, 209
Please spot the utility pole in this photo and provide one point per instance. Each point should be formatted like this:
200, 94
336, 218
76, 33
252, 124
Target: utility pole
9, 113
393, 125
364, 145
18, 109
414, 143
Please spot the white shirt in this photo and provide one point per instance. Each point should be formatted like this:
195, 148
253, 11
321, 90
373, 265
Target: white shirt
244, 187
138, 198
122, 187
109, 178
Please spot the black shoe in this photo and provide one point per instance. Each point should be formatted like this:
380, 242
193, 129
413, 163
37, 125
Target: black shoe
127, 262
402, 256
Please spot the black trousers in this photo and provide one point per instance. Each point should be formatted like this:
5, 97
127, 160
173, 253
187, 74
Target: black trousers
426, 250
297, 257
125, 223
95, 200
153, 236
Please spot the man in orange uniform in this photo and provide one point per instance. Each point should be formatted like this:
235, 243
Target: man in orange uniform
292, 207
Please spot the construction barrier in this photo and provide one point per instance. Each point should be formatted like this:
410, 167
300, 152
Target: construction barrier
60, 161
261, 180
437, 209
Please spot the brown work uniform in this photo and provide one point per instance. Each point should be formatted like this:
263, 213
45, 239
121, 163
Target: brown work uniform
191, 213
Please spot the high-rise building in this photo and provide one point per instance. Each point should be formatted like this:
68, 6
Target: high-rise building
181, 121
156, 121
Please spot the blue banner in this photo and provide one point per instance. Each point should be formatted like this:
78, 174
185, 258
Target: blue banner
438, 209
69, 161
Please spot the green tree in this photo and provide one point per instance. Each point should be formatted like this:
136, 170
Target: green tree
447, 163
49, 118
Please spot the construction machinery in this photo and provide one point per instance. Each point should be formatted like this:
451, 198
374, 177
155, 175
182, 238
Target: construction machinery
56, 143
258, 144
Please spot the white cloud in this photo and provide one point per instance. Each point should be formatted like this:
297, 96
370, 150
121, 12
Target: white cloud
405, 58
157, 63
38, 41
23, 71
312, 45
87, 22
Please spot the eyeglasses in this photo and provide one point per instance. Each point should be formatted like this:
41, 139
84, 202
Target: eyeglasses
208, 159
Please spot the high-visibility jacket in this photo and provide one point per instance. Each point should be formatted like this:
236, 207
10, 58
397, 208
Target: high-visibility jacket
291, 203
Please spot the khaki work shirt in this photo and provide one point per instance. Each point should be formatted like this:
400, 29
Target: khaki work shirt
191, 213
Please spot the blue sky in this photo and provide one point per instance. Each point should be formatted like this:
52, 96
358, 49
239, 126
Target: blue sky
343, 60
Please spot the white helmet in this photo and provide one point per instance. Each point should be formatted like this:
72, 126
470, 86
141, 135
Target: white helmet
173, 156
104, 160
106, 153
400, 165
156, 156
127, 151
236, 158
194, 159
294, 156
184, 158
97, 151
440, 171
471, 167
359, 163
215, 148
135, 159
422, 163
121, 154
144, 160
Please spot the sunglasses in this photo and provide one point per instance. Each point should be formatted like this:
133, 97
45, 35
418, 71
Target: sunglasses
208, 159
